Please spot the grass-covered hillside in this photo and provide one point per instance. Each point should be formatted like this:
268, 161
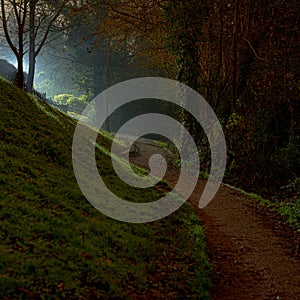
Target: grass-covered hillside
55, 245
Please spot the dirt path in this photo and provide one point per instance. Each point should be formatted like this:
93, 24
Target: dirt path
255, 255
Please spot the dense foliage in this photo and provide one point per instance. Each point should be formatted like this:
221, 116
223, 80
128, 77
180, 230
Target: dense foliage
244, 58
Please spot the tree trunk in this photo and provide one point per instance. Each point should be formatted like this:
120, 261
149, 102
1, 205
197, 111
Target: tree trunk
32, 55
19, 80
235, 93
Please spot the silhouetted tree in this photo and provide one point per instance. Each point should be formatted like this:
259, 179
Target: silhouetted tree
34, 21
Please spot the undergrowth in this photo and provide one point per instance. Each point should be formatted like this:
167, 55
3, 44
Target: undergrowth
290, 210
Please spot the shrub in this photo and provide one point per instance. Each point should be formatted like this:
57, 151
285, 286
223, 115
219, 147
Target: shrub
64, 99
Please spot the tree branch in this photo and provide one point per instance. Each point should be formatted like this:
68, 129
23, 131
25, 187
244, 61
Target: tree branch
6, 33
56, 15
249, 43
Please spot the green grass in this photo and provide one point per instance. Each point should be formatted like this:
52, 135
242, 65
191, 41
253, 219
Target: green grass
55, 245
290, 210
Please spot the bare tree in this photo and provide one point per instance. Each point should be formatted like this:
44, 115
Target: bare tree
18, 11
41, 24
36, 22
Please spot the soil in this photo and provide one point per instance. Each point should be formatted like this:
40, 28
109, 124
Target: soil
254, 253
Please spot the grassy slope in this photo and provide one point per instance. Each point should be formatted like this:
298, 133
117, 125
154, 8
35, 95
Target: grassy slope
54, 244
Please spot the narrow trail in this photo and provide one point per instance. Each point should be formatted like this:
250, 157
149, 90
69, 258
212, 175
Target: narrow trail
254, 254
